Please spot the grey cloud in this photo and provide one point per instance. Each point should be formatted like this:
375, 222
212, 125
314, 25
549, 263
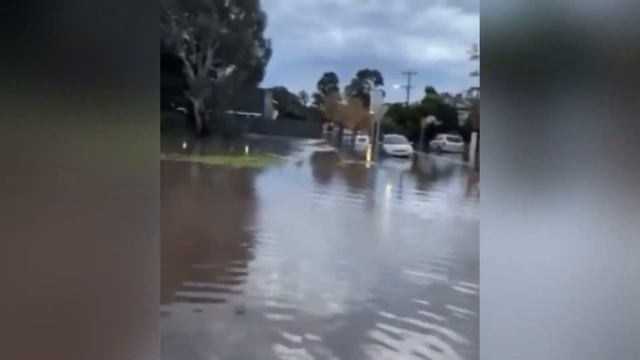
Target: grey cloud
315, 36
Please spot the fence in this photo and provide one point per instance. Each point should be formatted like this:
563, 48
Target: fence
284, 127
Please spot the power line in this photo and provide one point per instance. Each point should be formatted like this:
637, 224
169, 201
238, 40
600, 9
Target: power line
408, 74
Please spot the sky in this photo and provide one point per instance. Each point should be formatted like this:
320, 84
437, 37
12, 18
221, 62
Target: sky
432, 37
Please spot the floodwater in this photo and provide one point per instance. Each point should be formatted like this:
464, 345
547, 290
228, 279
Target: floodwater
320, 257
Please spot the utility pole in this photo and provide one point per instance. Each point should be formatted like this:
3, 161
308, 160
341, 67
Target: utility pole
408, 74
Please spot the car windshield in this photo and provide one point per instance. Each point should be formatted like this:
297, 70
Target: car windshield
395, 139
454, 139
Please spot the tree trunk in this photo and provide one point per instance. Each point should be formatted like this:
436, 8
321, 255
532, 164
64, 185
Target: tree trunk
198, 116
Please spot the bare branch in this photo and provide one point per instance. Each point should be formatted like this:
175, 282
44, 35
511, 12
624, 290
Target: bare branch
188, 69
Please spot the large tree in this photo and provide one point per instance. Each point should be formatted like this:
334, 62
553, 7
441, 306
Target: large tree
361, 85
433, 104
407, 120
431, 100
288, 103
221, 45
304, 97
317, 99
328, 84
431, 92
327, 87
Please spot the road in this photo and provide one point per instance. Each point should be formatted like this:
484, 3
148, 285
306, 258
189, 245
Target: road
320, 257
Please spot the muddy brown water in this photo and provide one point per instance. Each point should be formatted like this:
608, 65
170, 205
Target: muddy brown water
320, 257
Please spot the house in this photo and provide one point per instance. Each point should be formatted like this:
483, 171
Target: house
253, 103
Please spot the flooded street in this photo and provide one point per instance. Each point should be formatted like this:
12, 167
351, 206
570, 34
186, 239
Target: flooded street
320, 257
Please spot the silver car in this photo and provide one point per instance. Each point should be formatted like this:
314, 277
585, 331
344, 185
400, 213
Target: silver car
396, 145
448, 143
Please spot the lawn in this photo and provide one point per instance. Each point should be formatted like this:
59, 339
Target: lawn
231, 160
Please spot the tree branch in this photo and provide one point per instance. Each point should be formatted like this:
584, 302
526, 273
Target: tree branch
209, 56
188, 69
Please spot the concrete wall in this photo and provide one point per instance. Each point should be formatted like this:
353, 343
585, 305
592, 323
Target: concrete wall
287, 127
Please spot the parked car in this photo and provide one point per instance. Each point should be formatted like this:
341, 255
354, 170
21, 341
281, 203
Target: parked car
448, 143
361, 142
396, 145
347, 136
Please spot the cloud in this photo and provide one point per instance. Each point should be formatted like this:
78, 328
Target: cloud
313, 36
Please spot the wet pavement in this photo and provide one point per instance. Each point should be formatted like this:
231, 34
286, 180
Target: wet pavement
320, 257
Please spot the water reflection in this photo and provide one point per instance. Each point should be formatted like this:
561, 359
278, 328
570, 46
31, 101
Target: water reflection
321, 258
203, 255
324, 165
249, 144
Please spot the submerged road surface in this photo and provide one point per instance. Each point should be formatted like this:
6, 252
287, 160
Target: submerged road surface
320, 257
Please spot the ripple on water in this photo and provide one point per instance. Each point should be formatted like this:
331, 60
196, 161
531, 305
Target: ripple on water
326, 263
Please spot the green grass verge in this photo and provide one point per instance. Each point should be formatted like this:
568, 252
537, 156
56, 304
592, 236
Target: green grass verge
231, 160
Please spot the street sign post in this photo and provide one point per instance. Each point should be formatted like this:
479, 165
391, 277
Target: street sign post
377, 108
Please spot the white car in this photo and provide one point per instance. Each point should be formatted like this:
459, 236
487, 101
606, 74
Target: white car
447, 142
347, 136
396, 145
361, 142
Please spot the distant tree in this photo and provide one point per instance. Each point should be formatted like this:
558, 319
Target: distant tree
447, 115
361, 86
317, 99
473, 94
431, 100
407, 120
447, 98
328, 84
304, 97
474, 55
288, 103
221, 45
371, 74
432, 104
430, 91
327, 94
